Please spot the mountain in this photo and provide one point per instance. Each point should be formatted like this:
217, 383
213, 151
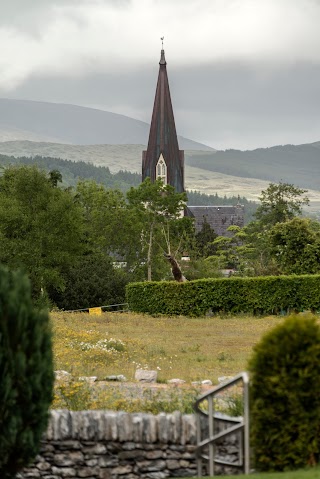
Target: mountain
62, 123
115, 141
298, 164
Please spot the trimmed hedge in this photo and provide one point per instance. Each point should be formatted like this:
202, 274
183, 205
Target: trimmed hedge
260, 295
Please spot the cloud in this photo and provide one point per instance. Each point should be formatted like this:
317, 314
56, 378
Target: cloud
73, 37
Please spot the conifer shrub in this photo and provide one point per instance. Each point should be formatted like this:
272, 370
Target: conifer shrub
26, 373
285, 396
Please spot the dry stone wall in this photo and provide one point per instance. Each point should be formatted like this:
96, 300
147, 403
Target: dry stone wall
112, 445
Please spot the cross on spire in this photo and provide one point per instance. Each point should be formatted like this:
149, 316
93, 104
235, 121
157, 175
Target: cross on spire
162, 38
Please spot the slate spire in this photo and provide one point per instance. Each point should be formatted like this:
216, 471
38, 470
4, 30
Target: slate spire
163, 157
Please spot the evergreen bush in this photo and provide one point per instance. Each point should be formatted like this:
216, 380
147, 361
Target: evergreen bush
285, 396
26, 373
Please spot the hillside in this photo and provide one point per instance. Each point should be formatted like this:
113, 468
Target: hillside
61, 123
298, 164
115, 141
202, 171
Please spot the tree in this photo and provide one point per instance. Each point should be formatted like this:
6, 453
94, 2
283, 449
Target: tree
112, 227
92, 281
40, 226
158, 207
204, 240
250, 250
26, 373
296, 246
279, 203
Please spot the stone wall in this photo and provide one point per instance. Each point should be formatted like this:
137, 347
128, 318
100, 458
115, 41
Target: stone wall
112, 445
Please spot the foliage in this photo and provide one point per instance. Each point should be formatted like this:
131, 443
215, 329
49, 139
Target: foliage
202, 268
40, 226
92, 281
158, 208
26, 374
259, 295
280, 202
204, 239
285, 401
73, 171
254, 251
296, 246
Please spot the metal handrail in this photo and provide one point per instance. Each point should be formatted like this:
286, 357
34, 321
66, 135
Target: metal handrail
242, 423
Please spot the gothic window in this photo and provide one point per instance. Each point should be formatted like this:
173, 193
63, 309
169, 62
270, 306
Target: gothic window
161, 170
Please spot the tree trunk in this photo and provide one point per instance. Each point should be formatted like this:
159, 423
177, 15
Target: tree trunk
149, 254
175, 268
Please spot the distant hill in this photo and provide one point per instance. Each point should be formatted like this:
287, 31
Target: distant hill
115, 141
298, 164
62, 123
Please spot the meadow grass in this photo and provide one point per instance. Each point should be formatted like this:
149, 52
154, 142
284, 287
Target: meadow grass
192, 349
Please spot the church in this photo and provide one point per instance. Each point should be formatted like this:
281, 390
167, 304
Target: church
164, 160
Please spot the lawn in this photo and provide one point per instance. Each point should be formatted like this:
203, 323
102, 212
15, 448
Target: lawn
191, 349
313, 473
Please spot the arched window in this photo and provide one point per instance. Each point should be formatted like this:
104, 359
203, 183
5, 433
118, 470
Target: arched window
161, 170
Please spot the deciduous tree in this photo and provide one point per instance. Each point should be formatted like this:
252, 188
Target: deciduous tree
40, 226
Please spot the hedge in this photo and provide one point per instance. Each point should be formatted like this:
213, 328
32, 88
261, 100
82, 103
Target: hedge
260, 295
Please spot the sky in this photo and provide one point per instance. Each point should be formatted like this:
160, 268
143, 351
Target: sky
242, 73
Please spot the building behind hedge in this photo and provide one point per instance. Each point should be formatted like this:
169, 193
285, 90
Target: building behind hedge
164, 160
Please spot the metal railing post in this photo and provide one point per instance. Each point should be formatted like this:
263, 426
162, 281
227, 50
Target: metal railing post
241, 424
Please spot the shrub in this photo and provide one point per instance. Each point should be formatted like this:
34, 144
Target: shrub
285, 399
26, 373
259, 295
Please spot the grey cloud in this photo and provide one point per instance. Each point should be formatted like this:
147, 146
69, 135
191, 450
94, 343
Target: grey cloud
242, 73
225, 105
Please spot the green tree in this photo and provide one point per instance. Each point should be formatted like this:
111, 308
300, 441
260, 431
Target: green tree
250, 250
112, 228
91, 281
204, 240
280, 202
40, 226
296, 246
158, 208
26, 373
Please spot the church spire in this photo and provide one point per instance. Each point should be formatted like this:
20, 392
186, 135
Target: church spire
163, 159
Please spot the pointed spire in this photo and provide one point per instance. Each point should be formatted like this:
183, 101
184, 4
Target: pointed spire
162, 59
163, 137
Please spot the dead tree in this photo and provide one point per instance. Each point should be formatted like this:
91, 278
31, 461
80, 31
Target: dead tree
175, 268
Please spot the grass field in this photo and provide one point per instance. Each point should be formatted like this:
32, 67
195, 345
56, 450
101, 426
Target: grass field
177, 347
313, 473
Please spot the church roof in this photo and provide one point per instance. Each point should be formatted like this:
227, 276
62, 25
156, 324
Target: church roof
218, 217
163, 136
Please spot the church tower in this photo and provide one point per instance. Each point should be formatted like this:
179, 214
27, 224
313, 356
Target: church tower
163, 159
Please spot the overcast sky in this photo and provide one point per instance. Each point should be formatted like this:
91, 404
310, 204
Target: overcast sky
243, 73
